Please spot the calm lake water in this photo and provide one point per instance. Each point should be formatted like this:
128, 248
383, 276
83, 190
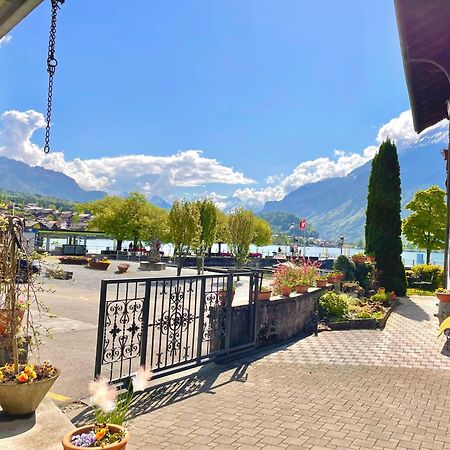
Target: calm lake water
410, 258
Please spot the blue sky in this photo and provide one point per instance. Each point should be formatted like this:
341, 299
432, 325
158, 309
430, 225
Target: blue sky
261, 86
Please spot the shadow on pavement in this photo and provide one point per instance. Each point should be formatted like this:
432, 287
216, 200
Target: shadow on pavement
13, 426
411, 310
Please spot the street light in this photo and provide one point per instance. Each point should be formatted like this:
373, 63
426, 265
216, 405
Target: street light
341, 242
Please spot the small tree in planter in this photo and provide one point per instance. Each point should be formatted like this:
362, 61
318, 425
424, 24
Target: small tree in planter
22, 385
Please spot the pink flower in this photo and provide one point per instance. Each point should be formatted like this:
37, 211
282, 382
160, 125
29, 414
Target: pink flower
103, 395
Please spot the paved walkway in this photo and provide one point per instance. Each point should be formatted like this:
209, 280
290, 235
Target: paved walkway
347, 389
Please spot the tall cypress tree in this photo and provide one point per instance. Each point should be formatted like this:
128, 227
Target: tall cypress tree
383, 222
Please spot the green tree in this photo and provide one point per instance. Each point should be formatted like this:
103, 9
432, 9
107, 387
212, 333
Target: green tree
241, 232
425, 227
262, 232
208, 223
184, 229
383, 223
131, 218
222, 227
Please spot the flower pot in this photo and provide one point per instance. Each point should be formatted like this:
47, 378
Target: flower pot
285, 291
98, 265
4, 319
123, 267
321, 283
301, 289
339, 277
222, 296
443, 296
23, 399
263, 295
79, 260
331, 279
67, 439
359, 258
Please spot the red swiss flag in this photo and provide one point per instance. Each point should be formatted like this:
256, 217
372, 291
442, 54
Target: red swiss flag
302, 224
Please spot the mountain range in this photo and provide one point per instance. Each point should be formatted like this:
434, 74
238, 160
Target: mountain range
336, 206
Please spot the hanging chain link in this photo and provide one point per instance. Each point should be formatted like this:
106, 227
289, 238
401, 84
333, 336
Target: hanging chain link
51, 69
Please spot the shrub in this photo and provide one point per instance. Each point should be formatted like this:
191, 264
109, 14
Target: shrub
345, 265
334, 304
428, 272
363, 272
379, 297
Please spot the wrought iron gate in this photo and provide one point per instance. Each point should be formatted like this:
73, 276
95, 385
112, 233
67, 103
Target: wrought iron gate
172, 323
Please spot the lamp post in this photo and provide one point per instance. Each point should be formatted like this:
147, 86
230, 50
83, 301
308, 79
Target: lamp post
341, 242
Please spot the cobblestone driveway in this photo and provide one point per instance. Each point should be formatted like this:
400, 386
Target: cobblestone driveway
346, 389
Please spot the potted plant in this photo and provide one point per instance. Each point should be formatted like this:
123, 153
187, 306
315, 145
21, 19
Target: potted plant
334, 277
99, 264
359, 257
78, 260
321, 281
284, 279
109, 430
305, 275
22, 385
222, 295
443, 295
264, 293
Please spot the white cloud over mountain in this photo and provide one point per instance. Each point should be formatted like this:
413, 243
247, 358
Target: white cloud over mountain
155, 174
159, 175
399, 129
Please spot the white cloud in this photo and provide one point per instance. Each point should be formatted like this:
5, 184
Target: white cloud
157, 175
5, 40
399, 129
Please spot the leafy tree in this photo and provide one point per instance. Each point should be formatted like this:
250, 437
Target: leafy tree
241, 232
208, 223
262, 232
383, 223
425, 227
222, 227
131, 218
184, 229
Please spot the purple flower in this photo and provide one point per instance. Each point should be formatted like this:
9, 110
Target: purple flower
84, 439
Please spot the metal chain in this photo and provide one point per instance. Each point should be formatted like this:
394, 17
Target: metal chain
51, 69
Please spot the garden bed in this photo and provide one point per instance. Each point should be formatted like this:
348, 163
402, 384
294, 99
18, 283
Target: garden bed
361, 324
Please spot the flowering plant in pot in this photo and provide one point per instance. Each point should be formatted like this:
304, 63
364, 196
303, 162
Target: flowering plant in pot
306, 273
22, 385
284, 279
321, 281
333, 277
264, 293
443, 295
111, 409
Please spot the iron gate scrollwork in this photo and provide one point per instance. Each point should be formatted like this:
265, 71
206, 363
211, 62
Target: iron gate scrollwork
169, 323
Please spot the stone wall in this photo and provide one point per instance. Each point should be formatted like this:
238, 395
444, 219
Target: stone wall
277, 320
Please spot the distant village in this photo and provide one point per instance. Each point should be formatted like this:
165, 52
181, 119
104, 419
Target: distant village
47, 218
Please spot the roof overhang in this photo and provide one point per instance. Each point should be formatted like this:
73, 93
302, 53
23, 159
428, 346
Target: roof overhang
13, 11
424, 29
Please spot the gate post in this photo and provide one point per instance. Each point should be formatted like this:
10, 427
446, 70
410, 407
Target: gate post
144, 324
100, 330
201, 322
228, 312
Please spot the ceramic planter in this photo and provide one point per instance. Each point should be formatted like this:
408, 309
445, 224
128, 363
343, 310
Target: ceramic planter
321, 283
301, 289
285, 291
123, 267
66, 442
444, 297
263, 295
4, 319
23, 399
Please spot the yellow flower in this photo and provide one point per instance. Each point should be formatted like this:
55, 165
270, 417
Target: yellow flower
1, 375
29, 369
100, 434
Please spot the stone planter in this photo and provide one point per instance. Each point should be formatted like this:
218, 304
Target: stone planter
123, 267
301, 289
66, 442
4, 319
98, 265
23, 399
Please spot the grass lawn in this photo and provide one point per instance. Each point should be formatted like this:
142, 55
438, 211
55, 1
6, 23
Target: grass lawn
414, 291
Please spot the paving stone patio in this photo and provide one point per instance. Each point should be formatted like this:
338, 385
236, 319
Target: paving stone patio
345, 389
